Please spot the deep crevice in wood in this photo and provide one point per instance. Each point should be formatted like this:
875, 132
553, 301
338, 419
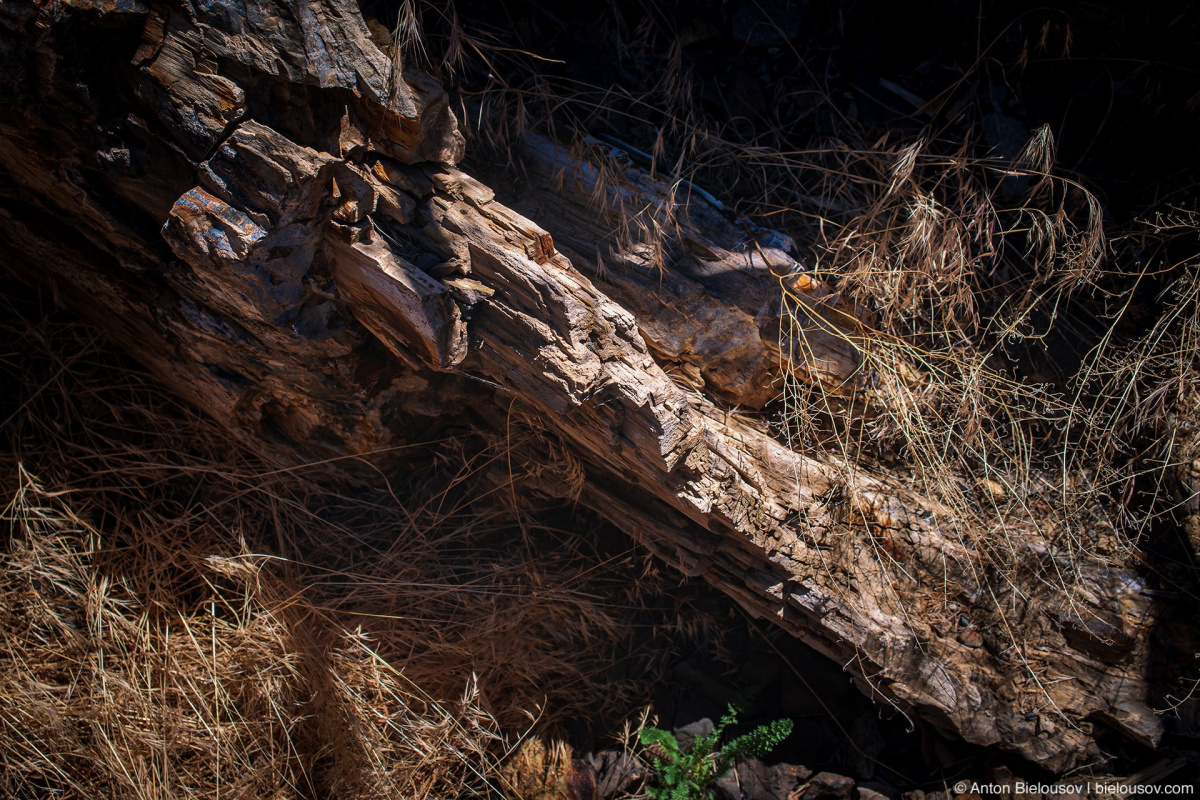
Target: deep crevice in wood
287, 245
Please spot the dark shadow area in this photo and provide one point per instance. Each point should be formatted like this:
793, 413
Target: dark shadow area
1116, 87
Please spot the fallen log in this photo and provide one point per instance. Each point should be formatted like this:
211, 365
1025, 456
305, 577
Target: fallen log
264, 209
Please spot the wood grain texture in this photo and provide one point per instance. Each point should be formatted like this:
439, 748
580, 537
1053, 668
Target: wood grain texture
244, 198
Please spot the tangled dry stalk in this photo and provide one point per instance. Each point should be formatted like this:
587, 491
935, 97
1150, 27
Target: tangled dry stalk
1028, 359
1024, 364
1004, 370
182, 619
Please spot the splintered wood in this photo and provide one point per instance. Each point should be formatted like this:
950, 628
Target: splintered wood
275, 226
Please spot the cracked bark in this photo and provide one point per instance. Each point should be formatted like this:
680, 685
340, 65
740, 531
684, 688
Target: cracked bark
245, 199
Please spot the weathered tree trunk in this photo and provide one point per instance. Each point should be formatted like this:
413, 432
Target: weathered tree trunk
264, 209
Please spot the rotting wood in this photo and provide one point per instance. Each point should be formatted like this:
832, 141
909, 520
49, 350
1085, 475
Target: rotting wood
705, 289
248, 204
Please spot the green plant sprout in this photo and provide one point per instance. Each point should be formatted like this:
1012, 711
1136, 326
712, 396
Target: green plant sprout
690, 775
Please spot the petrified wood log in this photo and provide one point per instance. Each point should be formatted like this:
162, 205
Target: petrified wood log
264, 209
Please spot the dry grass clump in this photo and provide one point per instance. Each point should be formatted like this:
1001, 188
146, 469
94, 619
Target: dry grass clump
1014, 365
242, 692
182, 619
963, 277
1002, 368
1147, 385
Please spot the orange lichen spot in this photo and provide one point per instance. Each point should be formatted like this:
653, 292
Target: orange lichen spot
800, 282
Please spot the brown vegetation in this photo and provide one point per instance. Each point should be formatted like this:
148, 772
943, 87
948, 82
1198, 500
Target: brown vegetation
182, 618
939, 421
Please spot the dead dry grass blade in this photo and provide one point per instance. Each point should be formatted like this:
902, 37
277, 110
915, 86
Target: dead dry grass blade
1013, 366
182, 619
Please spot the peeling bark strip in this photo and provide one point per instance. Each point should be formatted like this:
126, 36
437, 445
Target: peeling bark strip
244, 197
